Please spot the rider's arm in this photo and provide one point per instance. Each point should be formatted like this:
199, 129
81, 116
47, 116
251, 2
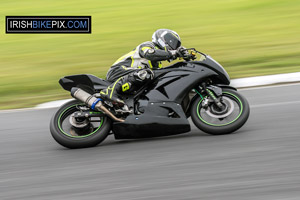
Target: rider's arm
150, 53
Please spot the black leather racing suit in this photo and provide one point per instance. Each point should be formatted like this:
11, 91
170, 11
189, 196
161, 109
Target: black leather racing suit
144, 56
133, 69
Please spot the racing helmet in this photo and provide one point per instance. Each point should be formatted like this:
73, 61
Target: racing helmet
166, 39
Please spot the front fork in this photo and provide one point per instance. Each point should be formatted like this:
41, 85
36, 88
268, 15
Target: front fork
214, 92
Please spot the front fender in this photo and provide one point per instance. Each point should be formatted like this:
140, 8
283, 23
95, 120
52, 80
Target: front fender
226, 86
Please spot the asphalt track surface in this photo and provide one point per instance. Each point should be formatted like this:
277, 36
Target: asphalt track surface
261, 161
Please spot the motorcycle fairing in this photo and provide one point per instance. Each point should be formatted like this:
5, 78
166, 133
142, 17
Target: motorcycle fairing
174, 82
210, 63
164, 97
154, 122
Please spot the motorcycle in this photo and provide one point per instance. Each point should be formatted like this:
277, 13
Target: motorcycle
191, 88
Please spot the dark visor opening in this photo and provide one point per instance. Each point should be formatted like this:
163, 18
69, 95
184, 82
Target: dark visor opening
172, 41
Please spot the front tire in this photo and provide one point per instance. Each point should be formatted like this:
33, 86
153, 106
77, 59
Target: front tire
215, 123
61, 130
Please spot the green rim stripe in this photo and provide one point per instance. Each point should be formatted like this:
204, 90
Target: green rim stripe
221, 124
59, 126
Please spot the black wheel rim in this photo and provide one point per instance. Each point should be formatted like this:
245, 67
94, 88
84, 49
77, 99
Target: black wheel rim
64, 125
238, 106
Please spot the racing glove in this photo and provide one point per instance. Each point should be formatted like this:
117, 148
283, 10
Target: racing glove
180, 52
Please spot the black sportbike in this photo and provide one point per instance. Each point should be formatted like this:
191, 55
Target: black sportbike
197, 89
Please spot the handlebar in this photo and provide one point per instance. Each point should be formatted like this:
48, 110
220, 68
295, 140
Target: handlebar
194, 50
192, 54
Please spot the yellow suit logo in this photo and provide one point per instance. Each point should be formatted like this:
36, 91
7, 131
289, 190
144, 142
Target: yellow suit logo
125, 87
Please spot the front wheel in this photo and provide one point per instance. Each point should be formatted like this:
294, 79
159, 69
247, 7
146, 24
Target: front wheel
65, 134
214, 121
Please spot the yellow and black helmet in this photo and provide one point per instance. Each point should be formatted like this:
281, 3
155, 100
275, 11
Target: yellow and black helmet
166, 39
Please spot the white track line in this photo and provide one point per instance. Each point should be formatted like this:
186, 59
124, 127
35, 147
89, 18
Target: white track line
269, 86
275, 104
17, 110
266, 80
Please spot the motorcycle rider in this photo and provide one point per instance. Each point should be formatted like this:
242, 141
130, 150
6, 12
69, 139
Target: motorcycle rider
134, 69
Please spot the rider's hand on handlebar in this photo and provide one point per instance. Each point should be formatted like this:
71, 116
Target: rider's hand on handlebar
182, 52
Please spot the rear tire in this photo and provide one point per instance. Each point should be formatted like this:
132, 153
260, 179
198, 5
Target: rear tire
94, 137
217, 126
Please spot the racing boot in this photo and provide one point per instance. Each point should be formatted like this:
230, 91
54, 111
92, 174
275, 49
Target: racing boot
112, 92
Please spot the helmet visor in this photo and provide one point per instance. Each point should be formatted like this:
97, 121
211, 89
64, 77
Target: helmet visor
172, 41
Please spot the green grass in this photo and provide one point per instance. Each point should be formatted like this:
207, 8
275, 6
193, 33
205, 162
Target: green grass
248, 37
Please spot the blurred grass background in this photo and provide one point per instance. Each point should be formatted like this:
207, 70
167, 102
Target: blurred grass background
248, 37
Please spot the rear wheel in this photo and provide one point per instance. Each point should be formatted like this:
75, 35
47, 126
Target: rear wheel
215, 121
88, 135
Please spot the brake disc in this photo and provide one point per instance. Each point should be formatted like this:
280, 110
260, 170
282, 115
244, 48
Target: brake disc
230, 105
78, 124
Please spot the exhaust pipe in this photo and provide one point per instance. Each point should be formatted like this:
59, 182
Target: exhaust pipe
92, 102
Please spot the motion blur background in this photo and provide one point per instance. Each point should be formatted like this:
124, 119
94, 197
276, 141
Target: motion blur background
248, 37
